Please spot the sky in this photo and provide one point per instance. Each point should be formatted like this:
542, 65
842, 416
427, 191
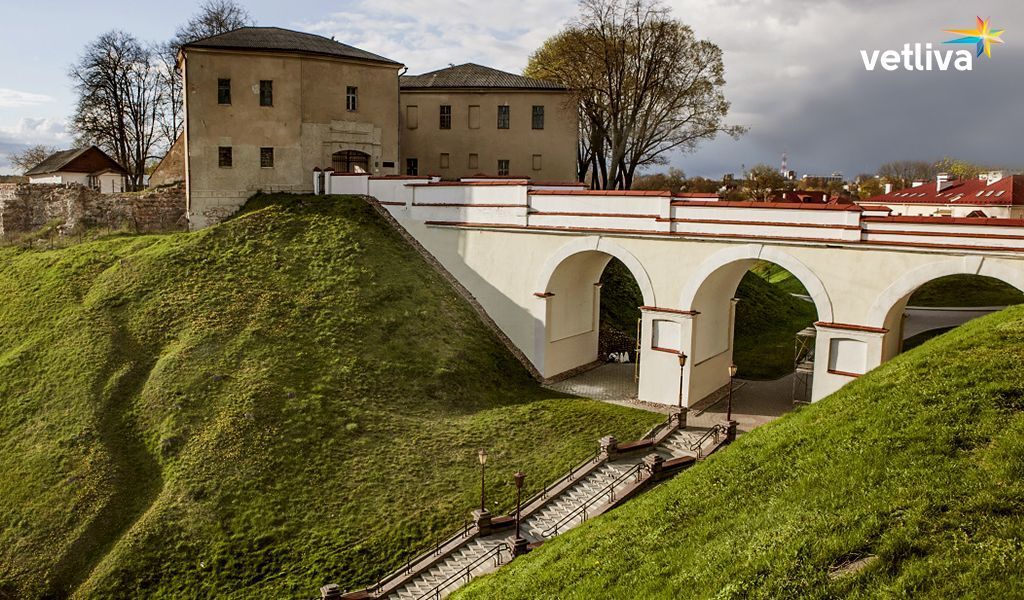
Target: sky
794, 69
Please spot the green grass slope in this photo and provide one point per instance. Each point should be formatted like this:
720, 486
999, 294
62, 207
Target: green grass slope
768, 318
919, 463
250, 411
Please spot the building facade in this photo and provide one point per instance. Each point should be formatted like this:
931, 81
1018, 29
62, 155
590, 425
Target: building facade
471, 120
265, 106
992, 195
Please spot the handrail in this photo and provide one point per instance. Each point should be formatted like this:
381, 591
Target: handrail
716, 430
654, 430
543, 493
435, 592
413, 559
608, 490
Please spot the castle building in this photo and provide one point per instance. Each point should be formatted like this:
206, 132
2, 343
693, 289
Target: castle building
265, 106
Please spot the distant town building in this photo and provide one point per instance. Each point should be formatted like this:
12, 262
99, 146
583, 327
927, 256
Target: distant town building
835, 176
990, 195
470, 120
87, 166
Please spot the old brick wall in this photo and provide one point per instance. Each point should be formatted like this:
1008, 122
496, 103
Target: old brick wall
28, 207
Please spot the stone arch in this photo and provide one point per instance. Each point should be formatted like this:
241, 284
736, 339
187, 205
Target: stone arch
902, 288
726, 257
598, 244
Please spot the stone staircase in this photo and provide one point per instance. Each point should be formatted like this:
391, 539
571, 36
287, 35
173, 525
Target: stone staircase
602, 485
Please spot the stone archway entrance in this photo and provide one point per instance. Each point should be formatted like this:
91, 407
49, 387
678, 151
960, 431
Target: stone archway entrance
350, 161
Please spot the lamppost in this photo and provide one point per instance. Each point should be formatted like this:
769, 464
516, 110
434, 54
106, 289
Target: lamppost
682, 363
519, 543
482, 455
732, 375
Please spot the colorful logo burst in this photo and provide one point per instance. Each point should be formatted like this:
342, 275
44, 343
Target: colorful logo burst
982, 35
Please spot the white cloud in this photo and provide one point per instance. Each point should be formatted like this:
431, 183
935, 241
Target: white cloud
16, 99
429, 34
30, 131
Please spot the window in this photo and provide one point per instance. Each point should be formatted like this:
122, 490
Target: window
412, 116
474, 117
224, 156
351, 98
412, 166
350, 161
538, 117
536, 162
446, 116
503, 117
266, 92
502, 167
474, 161
445, 159
223, 91
267, 158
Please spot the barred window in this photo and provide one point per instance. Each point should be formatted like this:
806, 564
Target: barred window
223, 91
538, 117
503, 117
224, 156
412, 166
446, 116
503, 167
267, 158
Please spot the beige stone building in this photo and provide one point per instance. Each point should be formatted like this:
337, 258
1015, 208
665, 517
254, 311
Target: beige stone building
264, 106
471, 120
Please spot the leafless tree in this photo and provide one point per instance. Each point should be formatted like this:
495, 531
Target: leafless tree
214, 17
644, 83
30, 157
903, 173
119, 100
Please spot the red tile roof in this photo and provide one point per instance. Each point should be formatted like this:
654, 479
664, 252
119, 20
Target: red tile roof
1008, 191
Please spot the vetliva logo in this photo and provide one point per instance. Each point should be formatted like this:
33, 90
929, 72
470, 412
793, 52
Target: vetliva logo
924, 57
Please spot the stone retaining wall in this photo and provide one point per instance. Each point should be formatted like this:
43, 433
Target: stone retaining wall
28, 207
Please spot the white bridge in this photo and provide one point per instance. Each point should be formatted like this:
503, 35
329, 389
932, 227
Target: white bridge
533, 255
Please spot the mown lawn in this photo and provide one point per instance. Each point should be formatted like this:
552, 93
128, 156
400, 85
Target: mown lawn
251, 411
919, 463
966, 290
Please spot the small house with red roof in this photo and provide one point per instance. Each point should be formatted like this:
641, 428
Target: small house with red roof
990, 195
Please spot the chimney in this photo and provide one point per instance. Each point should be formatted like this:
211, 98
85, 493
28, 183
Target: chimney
888, 188
918, 183
943, 181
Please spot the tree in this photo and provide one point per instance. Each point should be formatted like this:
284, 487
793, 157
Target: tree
902, 173
214, 17
868, 186
762, 182
674, 181
959, 169
643, 83
30, 157
118, 101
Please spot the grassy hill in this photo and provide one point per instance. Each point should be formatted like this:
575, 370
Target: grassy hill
250, 411
920, 463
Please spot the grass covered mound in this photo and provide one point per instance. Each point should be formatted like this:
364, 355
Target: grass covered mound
768, 318
920, 463
290, 398
966, 290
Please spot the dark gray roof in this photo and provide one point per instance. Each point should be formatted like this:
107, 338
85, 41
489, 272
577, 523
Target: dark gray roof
470, 75
275, 38
56, 161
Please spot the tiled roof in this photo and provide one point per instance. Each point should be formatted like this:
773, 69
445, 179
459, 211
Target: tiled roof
471, 75
1008, 191
55, 161
274, 38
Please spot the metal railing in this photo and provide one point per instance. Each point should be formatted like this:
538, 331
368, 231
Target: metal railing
425, 552
467, 572
716, 431
570, 476
581, 510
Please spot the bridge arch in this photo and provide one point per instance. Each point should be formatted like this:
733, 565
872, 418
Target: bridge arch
741, 257
567, 318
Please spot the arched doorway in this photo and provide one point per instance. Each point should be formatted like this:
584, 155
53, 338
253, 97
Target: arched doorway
942, 304
569, 323
750, 306
350, 161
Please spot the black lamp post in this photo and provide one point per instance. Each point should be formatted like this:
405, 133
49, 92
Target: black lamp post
732, 375
682, 363
519, 478
482, 455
